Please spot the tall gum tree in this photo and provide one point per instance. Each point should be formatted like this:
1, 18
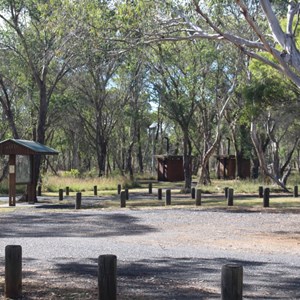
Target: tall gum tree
30, 33
264, 34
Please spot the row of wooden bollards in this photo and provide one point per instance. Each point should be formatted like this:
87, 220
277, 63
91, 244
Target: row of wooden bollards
193, 191
231, 276
195, 194
124, 195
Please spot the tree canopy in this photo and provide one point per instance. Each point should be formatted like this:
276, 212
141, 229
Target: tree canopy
107, 82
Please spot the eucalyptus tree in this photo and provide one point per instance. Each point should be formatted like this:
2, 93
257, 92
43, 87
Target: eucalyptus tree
203, 21
273, 104
31, 34
93, 79
244, 24
176, 81
132, 128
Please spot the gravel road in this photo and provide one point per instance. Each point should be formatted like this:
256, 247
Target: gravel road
163, 253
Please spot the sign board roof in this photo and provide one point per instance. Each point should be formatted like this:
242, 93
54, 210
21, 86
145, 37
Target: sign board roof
24, 147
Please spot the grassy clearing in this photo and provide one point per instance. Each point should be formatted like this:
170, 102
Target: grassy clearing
54, 183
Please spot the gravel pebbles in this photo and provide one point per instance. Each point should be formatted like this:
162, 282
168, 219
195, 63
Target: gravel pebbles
163, 253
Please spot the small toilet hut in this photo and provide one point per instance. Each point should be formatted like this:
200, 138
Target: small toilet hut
170, 168
226, 167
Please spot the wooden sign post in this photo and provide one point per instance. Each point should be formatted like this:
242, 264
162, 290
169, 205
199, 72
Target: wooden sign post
12, 180
22, 157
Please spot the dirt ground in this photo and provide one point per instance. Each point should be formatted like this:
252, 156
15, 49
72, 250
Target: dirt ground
163, 253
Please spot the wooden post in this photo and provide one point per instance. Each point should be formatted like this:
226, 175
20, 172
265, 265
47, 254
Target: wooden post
12, 179
296, 191
107, 277
226, 192
61, 194
159, 194
119, 189
193, 193
39, 192
230, 197
13, 271
67, 191
95, 190
232, 282
150, 188
266, 197
260, 192
123, 199
168, 197
198, 197
126, 194
78, 201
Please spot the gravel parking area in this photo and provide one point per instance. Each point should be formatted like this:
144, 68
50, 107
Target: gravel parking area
163, 253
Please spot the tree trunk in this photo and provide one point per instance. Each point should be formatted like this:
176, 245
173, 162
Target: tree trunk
41, 130
261, 158
140, 152
101, 156
129, 167
187, 151
203, 173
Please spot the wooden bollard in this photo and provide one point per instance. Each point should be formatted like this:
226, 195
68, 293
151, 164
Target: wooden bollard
107, 277
232, 282
119, 189
95, 190
123, 199
127, 194
226, 192
296, 191
78, 201
168, 197
198, 197
230, 197
260, 191
159, 194
266, 197
39, 191
67, 191
150, 188
13, 271
61, 194
193, 193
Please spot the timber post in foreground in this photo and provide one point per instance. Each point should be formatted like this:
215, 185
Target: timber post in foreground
150, 188
61, 194
78, 201
95, 190
107, 277
232, 282
123, 199
226, 192
159, 194
260, 192
67, 191
193, 193
296, 191
266, 197
168, 197
198, 197
39, 192
119, 189
230, 197
13, 271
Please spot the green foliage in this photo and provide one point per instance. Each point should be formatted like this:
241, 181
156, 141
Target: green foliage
266, 90
72, 173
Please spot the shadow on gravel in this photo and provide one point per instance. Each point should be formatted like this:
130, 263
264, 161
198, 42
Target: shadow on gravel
192, 278
71, 225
